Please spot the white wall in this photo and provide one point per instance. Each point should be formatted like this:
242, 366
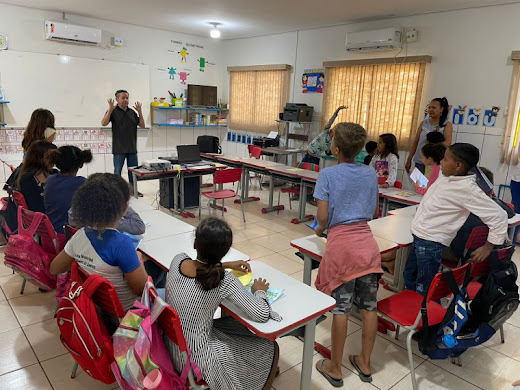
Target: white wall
470, 66
25, 30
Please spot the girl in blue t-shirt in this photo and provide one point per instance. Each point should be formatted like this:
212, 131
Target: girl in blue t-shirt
60, 188
99, 248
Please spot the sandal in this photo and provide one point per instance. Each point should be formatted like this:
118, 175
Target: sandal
334, 382
364, 377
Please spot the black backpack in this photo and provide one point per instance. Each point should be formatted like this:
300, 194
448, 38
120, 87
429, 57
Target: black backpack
209, 144
497, 299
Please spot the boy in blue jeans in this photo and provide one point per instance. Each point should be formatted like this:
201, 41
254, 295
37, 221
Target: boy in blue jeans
347, 196
443, 211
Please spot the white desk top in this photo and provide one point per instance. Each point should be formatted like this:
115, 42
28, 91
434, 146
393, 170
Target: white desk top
163, 250
253, 162
393, 228
162, 225
315, 246
299, 304
393, 193
140, 206
408, 212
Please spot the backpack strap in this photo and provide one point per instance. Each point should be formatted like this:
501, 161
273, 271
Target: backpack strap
90, 285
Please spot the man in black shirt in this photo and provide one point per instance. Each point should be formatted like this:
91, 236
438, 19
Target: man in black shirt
124, 131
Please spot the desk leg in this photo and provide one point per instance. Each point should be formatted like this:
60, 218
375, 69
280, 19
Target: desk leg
308, 352
134, 176
245, 188
182, 193
385, 207
271, 207
307, 269
302, 204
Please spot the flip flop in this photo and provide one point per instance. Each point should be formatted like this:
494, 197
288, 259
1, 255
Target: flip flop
334, 382
364, 377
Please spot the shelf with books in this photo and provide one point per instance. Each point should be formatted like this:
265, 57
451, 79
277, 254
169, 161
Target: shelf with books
189, 116
179, 125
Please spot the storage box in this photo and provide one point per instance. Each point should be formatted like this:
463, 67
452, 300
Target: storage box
159, 104
175, 121
177, 102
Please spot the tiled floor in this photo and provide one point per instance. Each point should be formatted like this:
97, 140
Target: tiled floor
32, 357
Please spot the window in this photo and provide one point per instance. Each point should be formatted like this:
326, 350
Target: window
257, 95
510, 144
382, 96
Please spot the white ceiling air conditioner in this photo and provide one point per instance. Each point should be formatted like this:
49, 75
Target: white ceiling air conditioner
64, 32
375, 40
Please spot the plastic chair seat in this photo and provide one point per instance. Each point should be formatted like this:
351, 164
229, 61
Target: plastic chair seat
473, 288
404, 307
220, 194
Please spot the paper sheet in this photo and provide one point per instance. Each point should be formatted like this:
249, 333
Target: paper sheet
418, 178
272, 134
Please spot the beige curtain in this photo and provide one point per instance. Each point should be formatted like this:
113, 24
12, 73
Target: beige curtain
382, 98
256, 98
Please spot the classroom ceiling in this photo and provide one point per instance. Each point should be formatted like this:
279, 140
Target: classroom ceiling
248, 18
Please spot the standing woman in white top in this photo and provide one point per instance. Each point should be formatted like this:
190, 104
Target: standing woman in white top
386, 160
438, 121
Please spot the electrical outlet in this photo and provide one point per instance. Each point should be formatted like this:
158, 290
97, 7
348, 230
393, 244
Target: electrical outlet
116, 41
411, 35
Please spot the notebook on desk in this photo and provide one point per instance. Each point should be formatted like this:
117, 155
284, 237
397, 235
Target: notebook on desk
189, 157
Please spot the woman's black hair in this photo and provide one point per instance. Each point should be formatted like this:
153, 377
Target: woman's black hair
465, 153
390, 144
34, 162
435, 137
100, 201
435, 151
370, 146
445, 109
68, 158
213, 238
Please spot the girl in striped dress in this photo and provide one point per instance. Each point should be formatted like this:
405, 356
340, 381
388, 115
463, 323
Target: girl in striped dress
228, 354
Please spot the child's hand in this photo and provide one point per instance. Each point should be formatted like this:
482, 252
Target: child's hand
319, 231
240, 265
384, 185
140, 255
482, 253
259, 284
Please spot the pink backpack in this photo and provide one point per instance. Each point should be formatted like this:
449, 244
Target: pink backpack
141, 358
27, 258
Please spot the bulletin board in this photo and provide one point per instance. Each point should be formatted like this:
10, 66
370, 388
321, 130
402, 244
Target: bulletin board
74, 89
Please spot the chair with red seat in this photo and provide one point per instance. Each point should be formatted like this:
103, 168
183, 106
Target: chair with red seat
222, 177
19, 199
170, 324
404, 308
256, 152
476, 239
295, 189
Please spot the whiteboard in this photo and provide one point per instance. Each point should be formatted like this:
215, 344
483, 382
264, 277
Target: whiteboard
74, 89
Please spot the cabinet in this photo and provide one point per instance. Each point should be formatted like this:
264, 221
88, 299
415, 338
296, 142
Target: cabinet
197, 117
2, 116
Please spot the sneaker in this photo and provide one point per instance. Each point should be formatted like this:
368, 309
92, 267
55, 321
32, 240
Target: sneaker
139, 194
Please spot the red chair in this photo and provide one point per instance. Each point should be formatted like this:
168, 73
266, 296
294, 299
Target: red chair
69, 231
45, 233
482, 269
476, 239
106, 299
295, 189
170, 324
256, 152
398, 184
19, 199
223, 177
404, 309
510, 205
9, 165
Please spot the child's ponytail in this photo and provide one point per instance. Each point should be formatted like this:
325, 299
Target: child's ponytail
210, 275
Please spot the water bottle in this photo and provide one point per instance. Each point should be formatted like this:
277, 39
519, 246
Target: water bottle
446, 341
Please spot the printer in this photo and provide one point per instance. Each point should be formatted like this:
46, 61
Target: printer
157, 164
265, 142
297, 112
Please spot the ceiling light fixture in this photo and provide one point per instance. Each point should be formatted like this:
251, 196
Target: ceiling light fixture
215, 32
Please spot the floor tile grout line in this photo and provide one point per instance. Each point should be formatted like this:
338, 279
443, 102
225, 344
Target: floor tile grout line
458, 376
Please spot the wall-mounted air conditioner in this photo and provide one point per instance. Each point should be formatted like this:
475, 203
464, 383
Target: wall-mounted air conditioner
385, 39
64, 32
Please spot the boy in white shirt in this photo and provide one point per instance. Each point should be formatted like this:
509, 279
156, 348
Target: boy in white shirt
443, 211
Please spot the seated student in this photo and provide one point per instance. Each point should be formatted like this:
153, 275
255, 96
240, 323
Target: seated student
371, 148
386, 160
99, 248
321, 144
348, 198
434, 137
228, 354
431, 156
455, 252
443, 211
60, 188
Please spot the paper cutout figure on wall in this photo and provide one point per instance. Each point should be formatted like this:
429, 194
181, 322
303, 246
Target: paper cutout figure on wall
321, 83
202, 63
490, 117
304, 82
184, 53
473, 116
458, 115
172, 72
183, 76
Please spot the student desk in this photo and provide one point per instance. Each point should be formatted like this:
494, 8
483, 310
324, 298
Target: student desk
140, 206
312, 248
162, 225
300, 306
277, 151
392, 195
261, 167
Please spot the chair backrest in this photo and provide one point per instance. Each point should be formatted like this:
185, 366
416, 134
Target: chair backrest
510, 205
19, 199
44, 229
483, 268
249, 148
9, 165
439, 288
256, 152
477, 238
308, 166
105, 297
228, 176
69, 231
398, 184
